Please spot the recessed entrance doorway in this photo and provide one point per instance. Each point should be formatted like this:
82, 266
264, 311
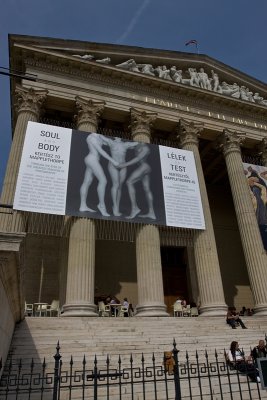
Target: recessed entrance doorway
174, 263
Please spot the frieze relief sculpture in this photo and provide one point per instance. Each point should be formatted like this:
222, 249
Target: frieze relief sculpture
190, 77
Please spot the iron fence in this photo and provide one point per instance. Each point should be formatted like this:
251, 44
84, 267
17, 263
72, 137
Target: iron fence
194, 376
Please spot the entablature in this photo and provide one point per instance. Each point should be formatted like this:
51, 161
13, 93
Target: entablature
65, 76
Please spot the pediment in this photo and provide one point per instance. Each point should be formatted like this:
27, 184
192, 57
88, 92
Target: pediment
187, 70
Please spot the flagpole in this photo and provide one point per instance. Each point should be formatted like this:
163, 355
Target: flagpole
195, 42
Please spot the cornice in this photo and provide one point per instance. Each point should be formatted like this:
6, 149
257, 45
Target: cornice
122, 52
44, 59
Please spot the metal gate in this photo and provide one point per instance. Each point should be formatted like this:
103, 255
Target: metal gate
143, 377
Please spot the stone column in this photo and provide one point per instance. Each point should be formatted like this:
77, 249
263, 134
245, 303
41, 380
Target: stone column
29, 103
262, 148
207, 263
148, 258
81, 261
192, 275
254, 252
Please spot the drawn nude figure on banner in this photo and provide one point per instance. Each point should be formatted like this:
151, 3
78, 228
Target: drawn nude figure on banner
118, 149
141, 173
95, 170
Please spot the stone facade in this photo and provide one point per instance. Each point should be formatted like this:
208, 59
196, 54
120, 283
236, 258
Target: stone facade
78, 260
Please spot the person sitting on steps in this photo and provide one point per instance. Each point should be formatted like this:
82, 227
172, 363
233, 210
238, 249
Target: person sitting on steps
259, 351
232, 318
237, 359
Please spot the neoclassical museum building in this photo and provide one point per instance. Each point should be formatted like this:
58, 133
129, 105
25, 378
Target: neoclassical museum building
175, 99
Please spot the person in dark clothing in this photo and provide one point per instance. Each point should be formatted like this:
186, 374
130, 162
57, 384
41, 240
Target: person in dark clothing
259, 351
232, 318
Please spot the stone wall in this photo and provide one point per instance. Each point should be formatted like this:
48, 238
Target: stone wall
7, 324
116, 269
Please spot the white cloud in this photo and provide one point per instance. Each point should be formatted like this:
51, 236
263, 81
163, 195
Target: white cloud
133, 21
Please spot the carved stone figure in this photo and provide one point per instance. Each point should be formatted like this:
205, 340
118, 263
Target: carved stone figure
163, 72
146, 69
226, 89
230, 90
243, 93
198, 79
194, 79
204, 79
250, 95
235, 91
177, 76
216, 82
158, 71
166, 73
84, 57
129, 65
106, 60
258, 99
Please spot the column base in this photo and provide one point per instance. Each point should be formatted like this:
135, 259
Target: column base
151, 310
260, 309
218, 310
79, 310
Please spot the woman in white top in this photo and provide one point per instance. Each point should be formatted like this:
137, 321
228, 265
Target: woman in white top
235, 355
243, 364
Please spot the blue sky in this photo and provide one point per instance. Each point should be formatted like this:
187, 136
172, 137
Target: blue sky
232, 31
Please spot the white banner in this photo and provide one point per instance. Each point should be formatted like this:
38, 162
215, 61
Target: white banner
43, 174
181, 190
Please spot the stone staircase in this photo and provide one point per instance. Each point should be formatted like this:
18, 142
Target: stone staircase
36, 338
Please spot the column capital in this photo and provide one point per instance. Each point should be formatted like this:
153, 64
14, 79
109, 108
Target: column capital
230, 141
188, 132
141, 122
30, 100
88, 110
262, 150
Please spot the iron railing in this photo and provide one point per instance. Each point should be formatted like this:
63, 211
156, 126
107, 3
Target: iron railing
195, 376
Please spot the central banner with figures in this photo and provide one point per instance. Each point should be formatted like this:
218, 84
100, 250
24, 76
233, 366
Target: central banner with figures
68, 172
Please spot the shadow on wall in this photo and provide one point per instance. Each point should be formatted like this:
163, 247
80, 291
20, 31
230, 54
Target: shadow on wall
231, 257
116, 269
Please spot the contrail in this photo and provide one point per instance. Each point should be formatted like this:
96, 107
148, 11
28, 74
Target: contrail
133, 21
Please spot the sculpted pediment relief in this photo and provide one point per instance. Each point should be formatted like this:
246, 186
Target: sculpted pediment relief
190, 76
191, 70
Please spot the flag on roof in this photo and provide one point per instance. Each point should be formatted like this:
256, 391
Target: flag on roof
191, 42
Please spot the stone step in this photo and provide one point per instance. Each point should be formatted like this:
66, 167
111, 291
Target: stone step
41, 343
37, 337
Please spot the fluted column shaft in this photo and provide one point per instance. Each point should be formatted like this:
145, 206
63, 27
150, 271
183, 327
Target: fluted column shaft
206, 257
29, 103
254, 252
148, 258
263, 151
81, 261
